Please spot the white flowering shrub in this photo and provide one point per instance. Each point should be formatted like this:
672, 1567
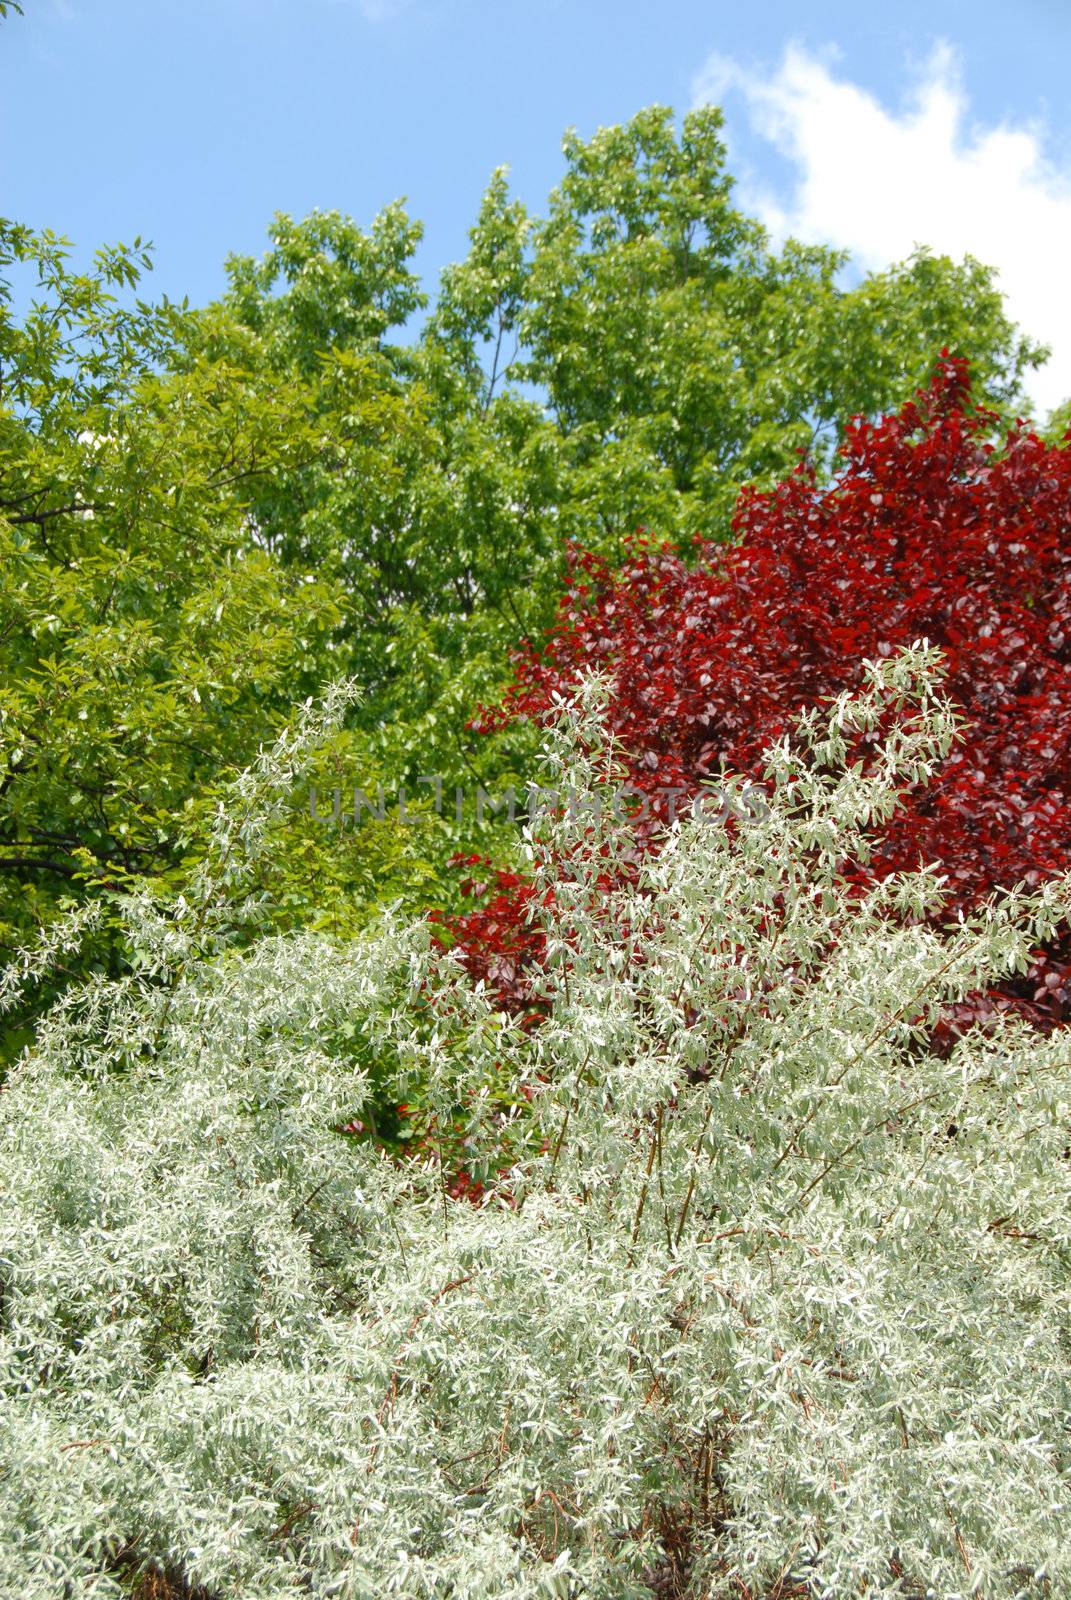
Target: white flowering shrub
775, 1300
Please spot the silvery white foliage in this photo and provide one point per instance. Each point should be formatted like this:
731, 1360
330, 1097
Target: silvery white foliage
33, 961
776, 1292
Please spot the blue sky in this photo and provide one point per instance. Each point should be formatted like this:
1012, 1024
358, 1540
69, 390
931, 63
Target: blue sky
191, 121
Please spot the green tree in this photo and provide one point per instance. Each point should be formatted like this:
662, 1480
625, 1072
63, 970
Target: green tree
149, 636
682, 356
629, 359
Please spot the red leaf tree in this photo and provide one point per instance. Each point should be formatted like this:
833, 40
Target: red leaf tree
928, 531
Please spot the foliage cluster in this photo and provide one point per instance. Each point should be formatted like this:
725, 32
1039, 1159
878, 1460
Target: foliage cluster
777, 1302
926, 531
322, 1268
205, 516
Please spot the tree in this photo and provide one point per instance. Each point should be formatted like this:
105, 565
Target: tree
208, 515
148, 639
927, 531
718, 359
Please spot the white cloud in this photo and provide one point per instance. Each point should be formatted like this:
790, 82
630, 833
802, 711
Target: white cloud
879, 182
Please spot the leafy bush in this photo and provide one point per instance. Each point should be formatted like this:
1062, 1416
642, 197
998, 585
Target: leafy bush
928, 531
776, 1302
